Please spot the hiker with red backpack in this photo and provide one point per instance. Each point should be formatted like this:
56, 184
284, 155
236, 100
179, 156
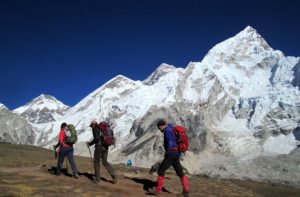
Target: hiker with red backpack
103, 138
175, 142
66, 149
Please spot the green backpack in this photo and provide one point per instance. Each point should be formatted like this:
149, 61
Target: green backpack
71, 134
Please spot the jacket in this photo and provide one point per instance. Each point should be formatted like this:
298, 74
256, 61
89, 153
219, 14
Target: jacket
62, 137
170, 143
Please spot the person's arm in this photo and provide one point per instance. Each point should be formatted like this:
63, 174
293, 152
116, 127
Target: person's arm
55, 146
96, 135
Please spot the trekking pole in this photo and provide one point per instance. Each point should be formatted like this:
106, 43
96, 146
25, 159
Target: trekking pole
90, 154
92, 161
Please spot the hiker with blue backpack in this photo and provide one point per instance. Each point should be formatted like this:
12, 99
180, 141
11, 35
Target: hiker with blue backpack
67, 137
175, 142
103, 138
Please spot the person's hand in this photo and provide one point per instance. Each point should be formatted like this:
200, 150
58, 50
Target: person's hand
54, 147
88, 144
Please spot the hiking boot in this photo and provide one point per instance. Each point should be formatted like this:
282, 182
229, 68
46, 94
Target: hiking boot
75, 175
154, 192
183, 194
115, 179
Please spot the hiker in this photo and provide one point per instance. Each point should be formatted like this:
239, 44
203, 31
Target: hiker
172, 156
101, 150
66, 149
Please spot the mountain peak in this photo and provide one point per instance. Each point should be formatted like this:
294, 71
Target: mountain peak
162, 70
166, 67
44, 108
249, 30
120, 77
2, 106
48, 101
44, 97
116, 79
250, 34
247, 44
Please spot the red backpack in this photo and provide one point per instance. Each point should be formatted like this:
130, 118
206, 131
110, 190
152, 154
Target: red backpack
108, 134
181, 138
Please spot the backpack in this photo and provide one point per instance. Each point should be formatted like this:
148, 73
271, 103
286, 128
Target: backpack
71, 134
108, 134
181, 138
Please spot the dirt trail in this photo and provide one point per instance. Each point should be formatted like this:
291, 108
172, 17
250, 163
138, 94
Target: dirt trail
39, 181
29, 171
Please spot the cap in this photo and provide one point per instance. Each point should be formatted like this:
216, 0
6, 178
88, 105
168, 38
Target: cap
94, 122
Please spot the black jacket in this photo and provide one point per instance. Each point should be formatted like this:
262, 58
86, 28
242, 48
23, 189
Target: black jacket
97, 134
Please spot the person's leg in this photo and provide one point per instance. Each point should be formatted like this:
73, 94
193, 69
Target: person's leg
60, 161
184, 180
165, 164
70, 154
108, 166
97, 163
178, 167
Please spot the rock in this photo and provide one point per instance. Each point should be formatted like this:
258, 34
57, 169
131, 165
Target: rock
14, 129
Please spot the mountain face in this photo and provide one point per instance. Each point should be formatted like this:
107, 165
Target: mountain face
42, 109
240, 106
14, 129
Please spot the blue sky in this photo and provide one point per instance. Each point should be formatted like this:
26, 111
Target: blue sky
68, 48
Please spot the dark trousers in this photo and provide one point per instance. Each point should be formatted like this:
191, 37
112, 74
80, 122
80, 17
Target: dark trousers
101, 153
66, 151
170, 160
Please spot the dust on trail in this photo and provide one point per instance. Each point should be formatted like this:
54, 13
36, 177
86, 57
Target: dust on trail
29, 171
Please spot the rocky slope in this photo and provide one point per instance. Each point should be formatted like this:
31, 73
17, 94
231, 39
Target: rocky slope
14, 129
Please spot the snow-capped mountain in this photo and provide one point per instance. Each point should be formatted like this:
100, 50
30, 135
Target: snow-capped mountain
162, 70
119, 101
240, 106
42, 109
14, 129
